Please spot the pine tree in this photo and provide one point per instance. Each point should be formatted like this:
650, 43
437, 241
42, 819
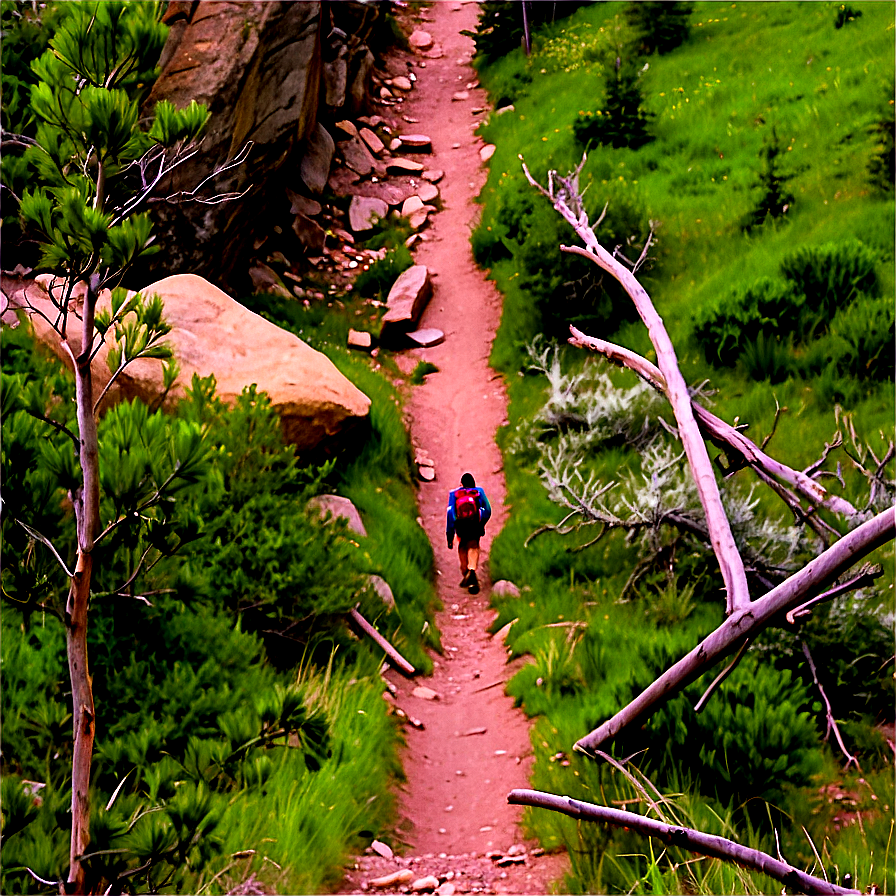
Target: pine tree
98, 169
623, 121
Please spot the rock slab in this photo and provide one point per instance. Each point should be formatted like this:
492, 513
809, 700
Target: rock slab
406, 300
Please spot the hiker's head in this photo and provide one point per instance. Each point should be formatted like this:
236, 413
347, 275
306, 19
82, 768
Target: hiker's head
467, 480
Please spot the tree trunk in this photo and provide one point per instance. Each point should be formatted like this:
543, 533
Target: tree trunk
87, 513
83, 715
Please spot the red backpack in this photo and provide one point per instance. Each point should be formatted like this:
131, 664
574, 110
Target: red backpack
466, 506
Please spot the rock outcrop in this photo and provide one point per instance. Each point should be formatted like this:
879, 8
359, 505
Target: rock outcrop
214, 335
267, 70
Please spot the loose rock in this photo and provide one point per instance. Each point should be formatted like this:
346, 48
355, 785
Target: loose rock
374, 144
420, 40
424, 693
359, 339
402, 876
364, 211
317, 159
427, 337
403, 166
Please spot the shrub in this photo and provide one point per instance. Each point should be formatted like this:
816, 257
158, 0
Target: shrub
882, 165
568, 289
845, 15
830, 277
866, 328
500, 29
818, 281
766, 358
753, 739
767, 307
659, 27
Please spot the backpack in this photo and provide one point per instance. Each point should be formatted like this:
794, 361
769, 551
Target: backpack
466, 507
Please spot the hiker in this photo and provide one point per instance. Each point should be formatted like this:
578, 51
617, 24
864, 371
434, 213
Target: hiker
468, 512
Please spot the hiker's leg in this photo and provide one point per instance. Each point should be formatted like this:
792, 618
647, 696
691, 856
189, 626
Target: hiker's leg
462, 553
473, 555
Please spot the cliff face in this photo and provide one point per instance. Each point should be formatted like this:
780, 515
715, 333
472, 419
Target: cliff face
266, 70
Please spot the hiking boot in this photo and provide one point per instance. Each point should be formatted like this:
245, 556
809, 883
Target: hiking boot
473, 582
466, 579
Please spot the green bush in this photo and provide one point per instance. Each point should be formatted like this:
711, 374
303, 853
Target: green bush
774, 198
817, 282
766, 358
831, 277
732, 323
866, 328
754, 739
659, 27
568, 289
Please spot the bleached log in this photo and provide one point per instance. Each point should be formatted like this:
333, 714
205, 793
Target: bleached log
394, 656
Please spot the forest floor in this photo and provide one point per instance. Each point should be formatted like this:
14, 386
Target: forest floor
468, 746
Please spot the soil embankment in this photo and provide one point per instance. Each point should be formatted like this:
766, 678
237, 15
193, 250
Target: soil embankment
472, 746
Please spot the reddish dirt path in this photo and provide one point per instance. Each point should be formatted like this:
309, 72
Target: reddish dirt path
453, 809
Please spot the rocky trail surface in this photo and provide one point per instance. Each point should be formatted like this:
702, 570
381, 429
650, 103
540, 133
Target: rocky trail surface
467, 746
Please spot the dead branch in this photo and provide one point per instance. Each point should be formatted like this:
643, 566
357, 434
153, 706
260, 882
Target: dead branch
684, 838
720, 678
394, 656
832, 723
721, 432
747, 623
866, 576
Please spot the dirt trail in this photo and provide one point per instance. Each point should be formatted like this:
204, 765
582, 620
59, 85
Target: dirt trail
474, 745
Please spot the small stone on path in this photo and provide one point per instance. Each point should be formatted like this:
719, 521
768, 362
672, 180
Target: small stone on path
403, 166
382, 849
374, 144
420, 40
402, 876
460, 96
424, 693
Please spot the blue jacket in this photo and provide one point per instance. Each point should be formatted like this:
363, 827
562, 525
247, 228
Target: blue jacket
485, 513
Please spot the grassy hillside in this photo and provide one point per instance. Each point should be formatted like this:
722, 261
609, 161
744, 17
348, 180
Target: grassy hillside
772, 266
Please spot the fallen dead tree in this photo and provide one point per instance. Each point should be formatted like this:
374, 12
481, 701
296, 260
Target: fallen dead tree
868, 528
685, 838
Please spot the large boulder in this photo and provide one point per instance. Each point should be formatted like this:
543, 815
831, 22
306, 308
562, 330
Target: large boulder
214, 335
